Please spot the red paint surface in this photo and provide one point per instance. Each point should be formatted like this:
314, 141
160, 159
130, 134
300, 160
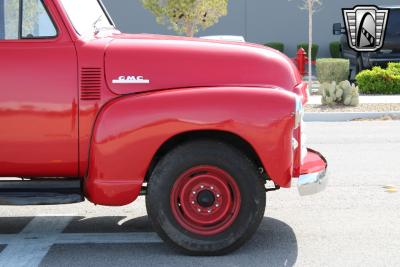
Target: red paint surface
39, 106
172, 62
313, 163
49, 130
205, 221
130, 130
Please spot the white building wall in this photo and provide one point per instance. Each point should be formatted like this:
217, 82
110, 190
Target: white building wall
260, 21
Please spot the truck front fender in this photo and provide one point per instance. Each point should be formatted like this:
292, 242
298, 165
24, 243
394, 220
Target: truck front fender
129, 131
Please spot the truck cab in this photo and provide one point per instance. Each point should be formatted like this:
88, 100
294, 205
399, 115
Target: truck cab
198, 127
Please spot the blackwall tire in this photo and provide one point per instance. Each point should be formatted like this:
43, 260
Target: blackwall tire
205, 198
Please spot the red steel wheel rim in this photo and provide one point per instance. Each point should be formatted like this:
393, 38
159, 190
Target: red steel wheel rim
205, 200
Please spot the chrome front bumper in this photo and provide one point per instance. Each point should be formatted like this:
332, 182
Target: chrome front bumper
312, 183
313, 178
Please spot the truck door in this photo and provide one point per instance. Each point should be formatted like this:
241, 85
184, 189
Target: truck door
38, 92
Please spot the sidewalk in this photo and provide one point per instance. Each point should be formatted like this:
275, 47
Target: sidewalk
379, 99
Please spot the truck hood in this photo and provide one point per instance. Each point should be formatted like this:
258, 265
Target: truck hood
142, 63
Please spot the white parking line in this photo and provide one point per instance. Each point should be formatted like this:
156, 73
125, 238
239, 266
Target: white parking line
30, 246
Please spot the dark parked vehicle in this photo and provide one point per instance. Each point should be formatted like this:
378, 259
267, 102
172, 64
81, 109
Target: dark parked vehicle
390, 51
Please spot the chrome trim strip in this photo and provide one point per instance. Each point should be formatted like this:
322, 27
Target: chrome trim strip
298, 113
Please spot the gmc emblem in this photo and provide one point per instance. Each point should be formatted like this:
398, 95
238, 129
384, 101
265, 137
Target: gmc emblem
131, 79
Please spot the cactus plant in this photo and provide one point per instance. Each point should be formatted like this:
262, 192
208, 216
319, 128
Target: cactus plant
330, 95
350, 93
342, 93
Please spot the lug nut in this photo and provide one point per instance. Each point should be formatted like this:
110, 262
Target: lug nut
202, 186
194, 192
193, 202
217, 205
209, 211
199, 210
218, 195
212, 187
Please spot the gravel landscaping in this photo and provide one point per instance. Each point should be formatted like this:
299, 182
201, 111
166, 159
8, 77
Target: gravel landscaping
383, 118
360, 108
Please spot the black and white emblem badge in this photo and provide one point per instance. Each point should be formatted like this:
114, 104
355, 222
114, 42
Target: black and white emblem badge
366, 27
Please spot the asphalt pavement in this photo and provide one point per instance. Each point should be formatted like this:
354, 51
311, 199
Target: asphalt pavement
355, 222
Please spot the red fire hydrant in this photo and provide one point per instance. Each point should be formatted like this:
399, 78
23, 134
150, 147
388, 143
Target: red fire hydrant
301, 60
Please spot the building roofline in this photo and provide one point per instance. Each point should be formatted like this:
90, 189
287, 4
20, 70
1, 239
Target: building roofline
391, 6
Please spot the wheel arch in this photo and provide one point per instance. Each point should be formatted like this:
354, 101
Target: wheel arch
226, 137
131, 130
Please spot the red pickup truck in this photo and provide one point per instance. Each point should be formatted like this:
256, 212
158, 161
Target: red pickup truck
199, 127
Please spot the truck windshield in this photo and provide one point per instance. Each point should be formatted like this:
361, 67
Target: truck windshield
87, 16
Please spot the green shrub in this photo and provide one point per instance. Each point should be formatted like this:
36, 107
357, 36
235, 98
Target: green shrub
394, 67
335, 48
276, 45
380, 81
314, 50
332, 69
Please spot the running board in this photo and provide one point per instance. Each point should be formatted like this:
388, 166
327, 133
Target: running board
40, 192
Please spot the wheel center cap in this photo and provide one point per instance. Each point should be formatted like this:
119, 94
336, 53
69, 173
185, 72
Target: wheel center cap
205, 198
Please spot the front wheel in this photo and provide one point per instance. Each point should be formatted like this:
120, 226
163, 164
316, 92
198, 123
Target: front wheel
205, 198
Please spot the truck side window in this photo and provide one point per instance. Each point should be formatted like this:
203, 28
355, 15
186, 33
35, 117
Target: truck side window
36, 22
27, 21
9, 17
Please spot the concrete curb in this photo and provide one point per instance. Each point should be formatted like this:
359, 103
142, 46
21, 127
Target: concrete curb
345, 116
